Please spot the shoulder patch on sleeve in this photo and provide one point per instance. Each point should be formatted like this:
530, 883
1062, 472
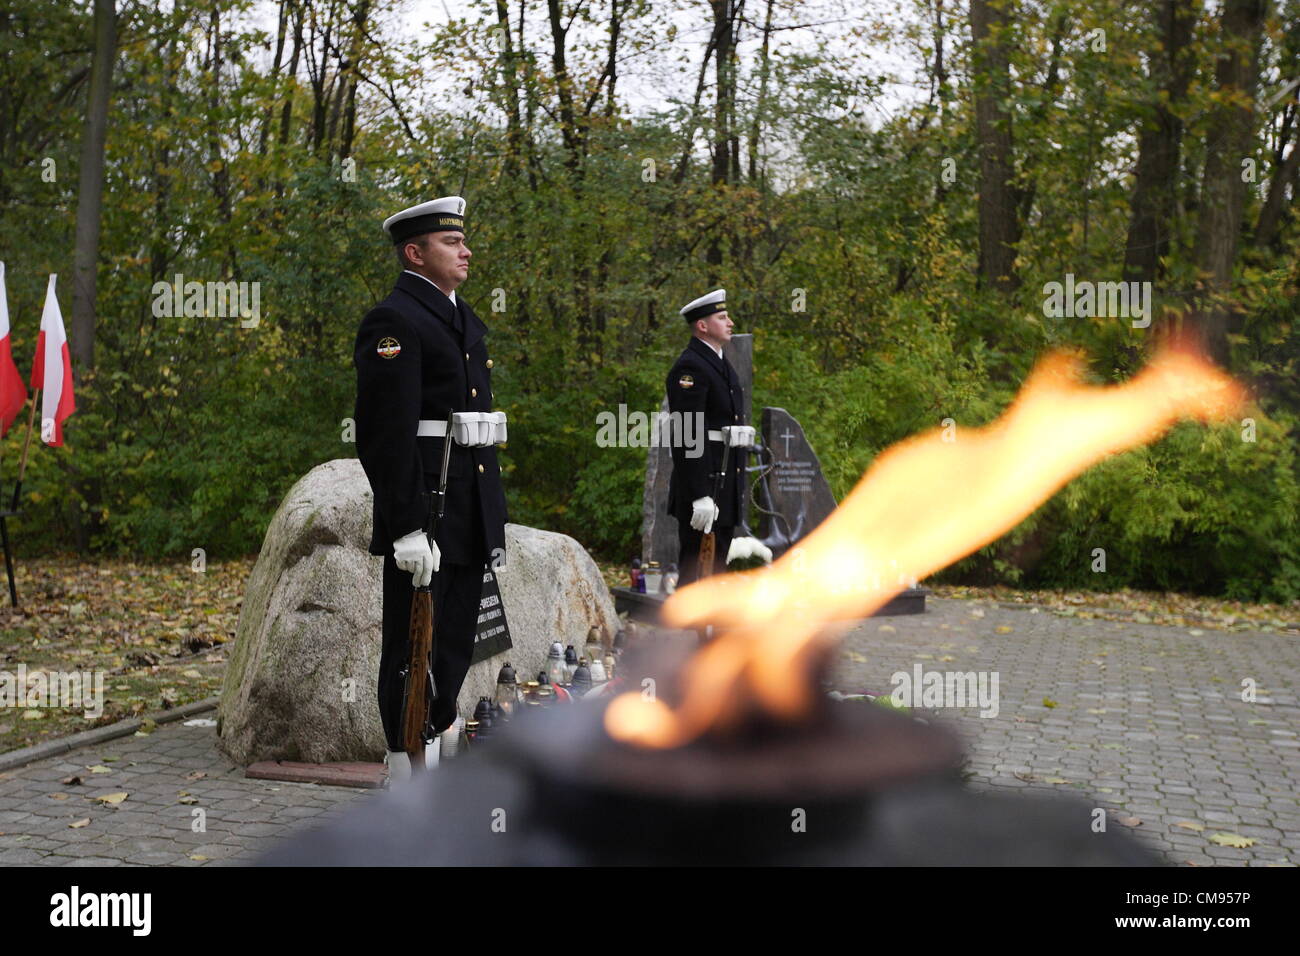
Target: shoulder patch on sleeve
388, 347
687, 380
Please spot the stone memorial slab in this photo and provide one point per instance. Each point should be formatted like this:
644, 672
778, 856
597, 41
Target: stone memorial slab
794, 496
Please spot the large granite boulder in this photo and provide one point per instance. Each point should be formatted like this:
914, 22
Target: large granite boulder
301, 677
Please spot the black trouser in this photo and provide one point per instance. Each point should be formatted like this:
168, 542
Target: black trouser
457, 589
688, 556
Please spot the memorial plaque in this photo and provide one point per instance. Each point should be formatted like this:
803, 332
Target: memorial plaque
493, 635
794, 496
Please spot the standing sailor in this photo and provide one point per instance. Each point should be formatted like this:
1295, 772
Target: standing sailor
703, 383
420, 356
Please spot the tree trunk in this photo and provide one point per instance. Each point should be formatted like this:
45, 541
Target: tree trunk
1228, 141
611, 67
510, 87
1151, 208
265, 133
220, 174
999, 225
291, 74
90, 190
725, 80
760, 107
1284, 176
569, 131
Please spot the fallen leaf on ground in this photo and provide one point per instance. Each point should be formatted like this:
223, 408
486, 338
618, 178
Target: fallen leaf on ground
112, 797
1232, 839
71, 781
1048, 702
79, 824
1190, 825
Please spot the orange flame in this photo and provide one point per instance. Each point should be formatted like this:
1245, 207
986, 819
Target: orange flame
925, 502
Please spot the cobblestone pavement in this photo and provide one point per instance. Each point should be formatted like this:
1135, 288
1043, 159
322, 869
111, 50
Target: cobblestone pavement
1144, 720
1147, 721
152, 826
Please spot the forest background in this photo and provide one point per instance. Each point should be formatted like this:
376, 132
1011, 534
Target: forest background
884, 190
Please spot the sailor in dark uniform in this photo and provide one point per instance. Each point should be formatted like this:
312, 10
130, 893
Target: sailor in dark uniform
420, 355
703, 383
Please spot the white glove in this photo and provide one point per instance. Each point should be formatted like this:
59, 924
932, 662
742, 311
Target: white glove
739, 436
704, 514
748, 548
414, 553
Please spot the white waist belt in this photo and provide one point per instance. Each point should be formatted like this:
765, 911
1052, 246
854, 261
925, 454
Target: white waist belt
469, 429
736, 436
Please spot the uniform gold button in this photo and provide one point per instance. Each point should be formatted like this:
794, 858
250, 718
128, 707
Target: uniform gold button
466, 356
473, 393
480, 469
489, 363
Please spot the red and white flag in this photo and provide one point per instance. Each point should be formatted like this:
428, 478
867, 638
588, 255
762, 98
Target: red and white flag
52, 370
13, 395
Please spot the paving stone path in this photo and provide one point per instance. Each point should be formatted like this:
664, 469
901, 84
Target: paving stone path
1141, 719
152, 826
1147, 722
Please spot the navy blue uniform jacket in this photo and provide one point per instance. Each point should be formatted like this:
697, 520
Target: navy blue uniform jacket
700, 381
419, 356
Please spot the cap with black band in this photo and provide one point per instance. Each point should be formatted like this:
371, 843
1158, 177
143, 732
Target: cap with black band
437, 215
705, 306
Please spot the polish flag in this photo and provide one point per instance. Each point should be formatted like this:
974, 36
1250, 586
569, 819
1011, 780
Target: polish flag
52, 371
13, 396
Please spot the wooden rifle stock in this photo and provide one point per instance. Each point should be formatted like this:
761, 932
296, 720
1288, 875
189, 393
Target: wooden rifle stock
420, 691
708, 546
709, 543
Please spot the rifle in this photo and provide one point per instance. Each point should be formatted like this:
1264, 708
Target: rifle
709, 543
420, 691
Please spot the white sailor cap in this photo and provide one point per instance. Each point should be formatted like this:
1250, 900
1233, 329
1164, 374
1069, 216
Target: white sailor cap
705, 305
436, 215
